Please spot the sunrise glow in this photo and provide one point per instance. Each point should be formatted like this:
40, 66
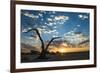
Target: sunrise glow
62, 49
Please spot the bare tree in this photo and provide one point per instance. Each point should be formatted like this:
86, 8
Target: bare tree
44, 50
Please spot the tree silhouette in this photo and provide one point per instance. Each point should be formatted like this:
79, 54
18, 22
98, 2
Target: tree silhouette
44, 50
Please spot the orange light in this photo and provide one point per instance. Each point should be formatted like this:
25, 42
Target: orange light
62, 50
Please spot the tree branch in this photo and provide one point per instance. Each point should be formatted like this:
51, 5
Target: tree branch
51, 42
42, 42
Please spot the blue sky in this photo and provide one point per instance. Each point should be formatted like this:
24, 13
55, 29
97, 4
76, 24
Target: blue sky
71, 26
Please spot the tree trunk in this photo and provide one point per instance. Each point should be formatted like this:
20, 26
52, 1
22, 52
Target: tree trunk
42, 55
44, 50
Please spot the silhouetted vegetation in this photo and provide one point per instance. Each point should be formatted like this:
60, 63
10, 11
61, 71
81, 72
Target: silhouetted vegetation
44, 50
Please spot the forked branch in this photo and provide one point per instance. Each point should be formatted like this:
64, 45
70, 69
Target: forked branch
51, 42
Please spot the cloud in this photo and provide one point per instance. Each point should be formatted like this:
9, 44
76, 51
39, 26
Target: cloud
74, 29
50, 31
30, 15
80, 16
42, 19
69, 33
51, 15
35, 37
45, 30
41, 11
55, 33
57, 20
55, 27
83, 16
61, 18
45, 23
41, 15
50, 24
24, 30
49, 19
30, 38
44, 27
78, 25
41, 29
29, 28
74, 38
54, 36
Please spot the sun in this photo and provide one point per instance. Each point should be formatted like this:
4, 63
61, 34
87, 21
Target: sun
62, 50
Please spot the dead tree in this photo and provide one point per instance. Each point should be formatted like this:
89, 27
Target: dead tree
44, 50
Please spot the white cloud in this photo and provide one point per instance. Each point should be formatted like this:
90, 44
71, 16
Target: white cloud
57, 20
50, 24
74, 29
31, 38
41, 30
69, 33
83, 16
29, 28
43, 27
51, 15
61, 22
30, 15
80, 16
49, 19
78, 25
45, 23
49, 31
54, 23
54, 36
61, 18
56, 33
55, 27
24, 30
41, 15
42, 19
75, 38
45, 32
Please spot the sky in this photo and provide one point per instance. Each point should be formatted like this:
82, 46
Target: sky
70, 26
